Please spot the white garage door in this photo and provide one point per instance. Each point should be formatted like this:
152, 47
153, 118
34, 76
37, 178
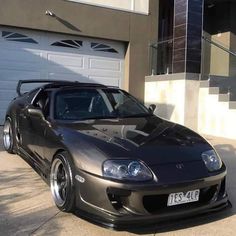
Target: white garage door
26, 54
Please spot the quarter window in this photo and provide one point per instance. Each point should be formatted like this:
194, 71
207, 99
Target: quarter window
102, 48
69, 44
31, 95
12, 36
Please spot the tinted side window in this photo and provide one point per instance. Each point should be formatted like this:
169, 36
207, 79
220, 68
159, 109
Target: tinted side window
31, 95
42, 101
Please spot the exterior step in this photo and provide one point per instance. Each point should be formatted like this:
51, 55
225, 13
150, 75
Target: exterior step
224, 97
214, 90
216, 114
225, 85
232, 105
204, 84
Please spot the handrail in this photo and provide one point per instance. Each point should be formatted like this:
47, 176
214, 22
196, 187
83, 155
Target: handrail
154, 45
219, 46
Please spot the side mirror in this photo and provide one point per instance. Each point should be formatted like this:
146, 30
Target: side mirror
152, 108
36, 112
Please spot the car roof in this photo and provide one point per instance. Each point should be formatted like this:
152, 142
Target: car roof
71, 84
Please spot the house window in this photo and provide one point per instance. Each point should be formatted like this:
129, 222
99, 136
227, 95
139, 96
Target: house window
102, 48
68, 44
12, 36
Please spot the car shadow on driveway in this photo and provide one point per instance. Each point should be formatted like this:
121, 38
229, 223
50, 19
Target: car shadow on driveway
25, 202
1, 138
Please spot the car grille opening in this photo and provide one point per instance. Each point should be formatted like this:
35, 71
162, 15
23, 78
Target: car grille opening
155, 204
117, 196
115, 201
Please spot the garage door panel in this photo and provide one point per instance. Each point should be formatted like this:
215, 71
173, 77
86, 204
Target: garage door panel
7, 95
67, 76
90, 79
13, 45
105, 55
66, 60
100, 73
102, 64
66, 70
16, 75
5, 84
106, 80
21, 67
6, 98
93, 60
18, 55
8, 83
2, 116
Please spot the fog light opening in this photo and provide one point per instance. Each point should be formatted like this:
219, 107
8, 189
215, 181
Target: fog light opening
115, 201
117, 197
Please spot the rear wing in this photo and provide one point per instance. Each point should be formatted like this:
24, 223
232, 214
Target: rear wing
21, 82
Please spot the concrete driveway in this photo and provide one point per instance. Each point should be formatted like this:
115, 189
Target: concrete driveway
26, 206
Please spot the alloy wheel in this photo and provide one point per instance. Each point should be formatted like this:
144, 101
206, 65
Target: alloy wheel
59, 182
7, 135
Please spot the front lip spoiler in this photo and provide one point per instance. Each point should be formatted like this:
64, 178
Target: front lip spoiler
127, 223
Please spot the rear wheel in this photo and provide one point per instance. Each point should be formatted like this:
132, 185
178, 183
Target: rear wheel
8, 139
62, 183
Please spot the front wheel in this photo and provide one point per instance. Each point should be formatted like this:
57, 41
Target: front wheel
8, 139
62, 183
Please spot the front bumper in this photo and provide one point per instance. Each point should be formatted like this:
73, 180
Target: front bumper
120, 205
126, 223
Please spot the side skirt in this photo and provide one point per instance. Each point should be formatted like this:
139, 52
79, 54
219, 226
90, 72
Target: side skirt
30, 160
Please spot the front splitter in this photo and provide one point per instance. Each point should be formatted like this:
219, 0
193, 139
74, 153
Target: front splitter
127, 223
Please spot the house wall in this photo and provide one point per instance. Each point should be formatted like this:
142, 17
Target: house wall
220, 60
137, 31
140, 6
176, 97
220, 26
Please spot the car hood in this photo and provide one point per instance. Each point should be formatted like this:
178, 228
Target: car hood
150, 139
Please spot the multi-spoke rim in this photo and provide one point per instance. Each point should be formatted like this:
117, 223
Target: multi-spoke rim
59, 182
7, 135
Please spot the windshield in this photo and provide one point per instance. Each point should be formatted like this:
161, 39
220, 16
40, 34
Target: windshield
92, 103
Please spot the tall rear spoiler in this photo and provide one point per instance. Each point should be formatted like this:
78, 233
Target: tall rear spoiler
21, 82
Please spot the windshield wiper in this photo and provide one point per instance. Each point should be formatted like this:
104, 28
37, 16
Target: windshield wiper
99, 118
137, 115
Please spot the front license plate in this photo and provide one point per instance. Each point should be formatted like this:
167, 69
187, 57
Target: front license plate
181, 198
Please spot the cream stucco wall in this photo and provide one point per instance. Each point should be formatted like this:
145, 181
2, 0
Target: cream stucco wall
176, 97
216, 61
136, 31
220, 60
214, 117
139, 6
168, 96
181, 99
232, 67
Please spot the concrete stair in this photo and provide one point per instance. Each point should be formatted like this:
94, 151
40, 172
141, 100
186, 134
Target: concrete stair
216, 111
226, 85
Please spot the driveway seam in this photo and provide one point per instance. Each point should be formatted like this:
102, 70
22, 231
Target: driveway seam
45, 222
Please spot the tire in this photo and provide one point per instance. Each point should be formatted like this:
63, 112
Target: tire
62, 182
8, 138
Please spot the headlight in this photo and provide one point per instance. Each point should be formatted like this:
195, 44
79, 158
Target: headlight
211, 160
126, 170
